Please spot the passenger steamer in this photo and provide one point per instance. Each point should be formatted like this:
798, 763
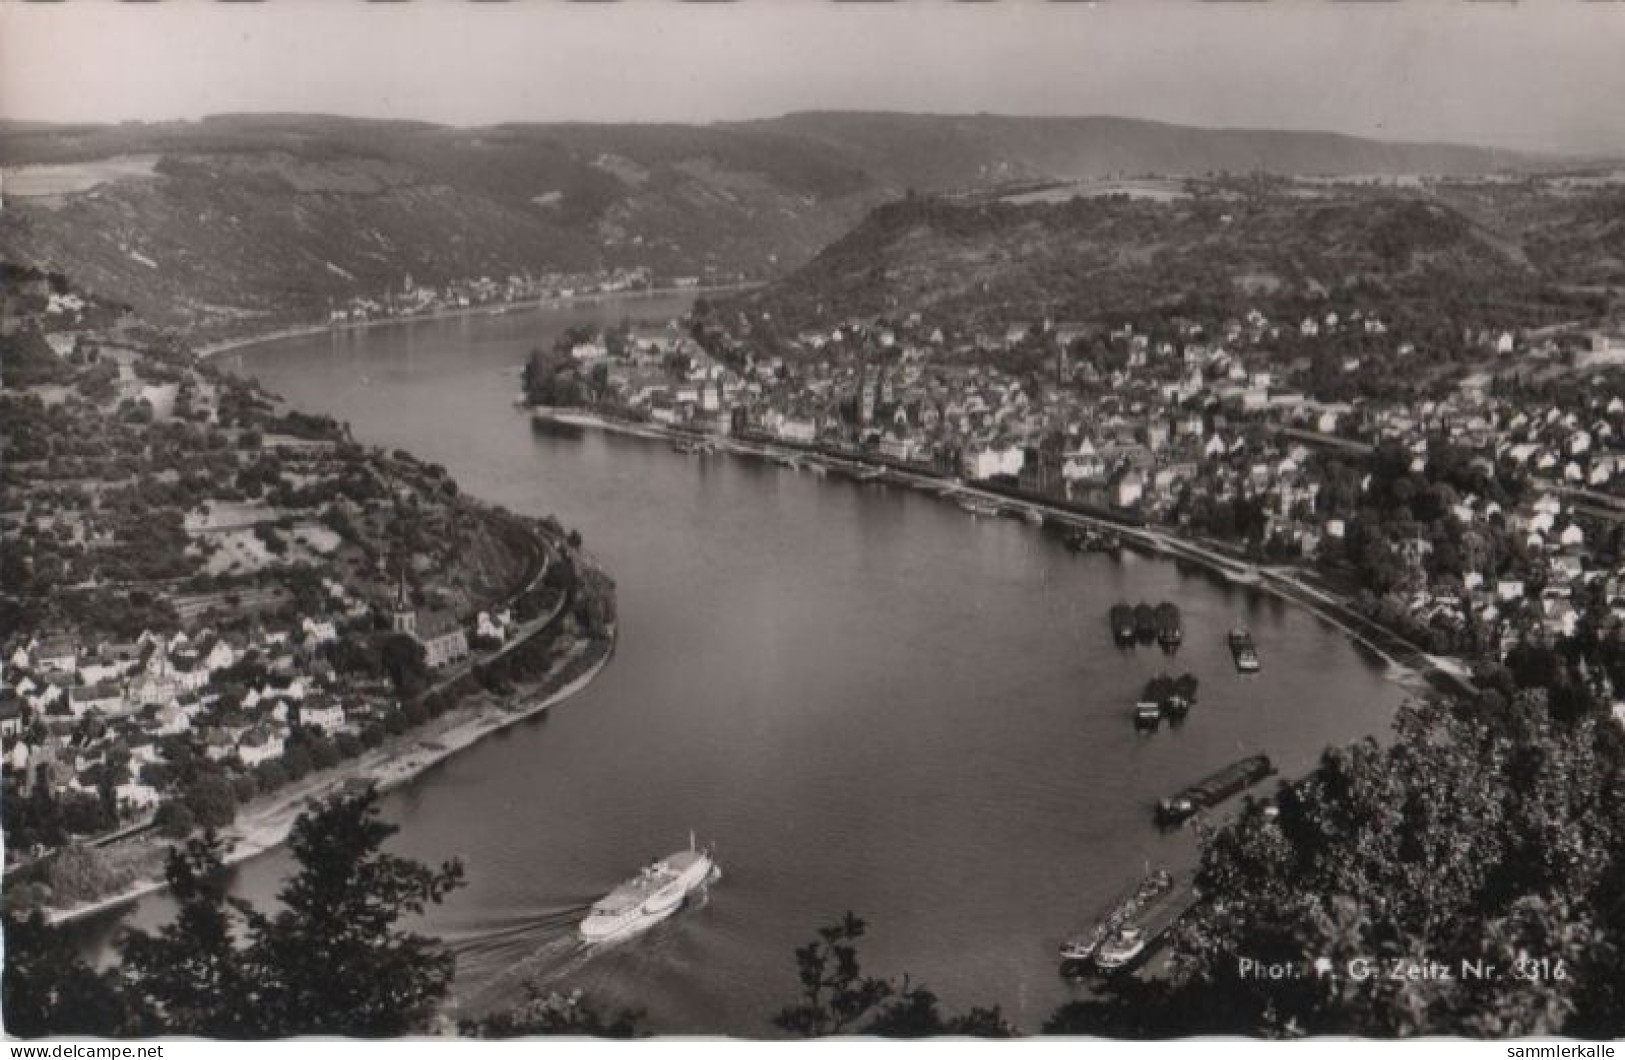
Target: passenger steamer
655, 893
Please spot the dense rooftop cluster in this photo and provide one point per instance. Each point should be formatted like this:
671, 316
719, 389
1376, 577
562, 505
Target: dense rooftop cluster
1462, 489
208, 595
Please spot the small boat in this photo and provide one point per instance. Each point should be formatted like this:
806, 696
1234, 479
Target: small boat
1170, 629
1121, 617
1145, 622
1181, 696
658, 890
1162, 692
1087, 539
1209, 792
1120, 950
1244, 651
979, 508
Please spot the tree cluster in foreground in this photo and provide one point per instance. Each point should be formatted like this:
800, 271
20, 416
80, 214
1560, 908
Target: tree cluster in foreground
1490, 838
333, 960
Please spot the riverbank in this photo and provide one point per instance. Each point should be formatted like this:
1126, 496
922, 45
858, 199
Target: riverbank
1409, 665
294, 331
264, 826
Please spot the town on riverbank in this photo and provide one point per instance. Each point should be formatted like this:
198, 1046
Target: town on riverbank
1467, 528
218, 608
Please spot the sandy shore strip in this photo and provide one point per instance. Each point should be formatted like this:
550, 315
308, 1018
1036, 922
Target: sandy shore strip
265, 827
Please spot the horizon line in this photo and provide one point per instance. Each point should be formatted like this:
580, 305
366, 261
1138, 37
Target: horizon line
1597, 155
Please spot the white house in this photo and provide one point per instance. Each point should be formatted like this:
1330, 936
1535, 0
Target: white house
491, 627
59, 654
324, 714
171, 720
1083, 464
793, 429
443, 640
986, 462
260, 745
137, 796
319, 630
1130, 488
106, 698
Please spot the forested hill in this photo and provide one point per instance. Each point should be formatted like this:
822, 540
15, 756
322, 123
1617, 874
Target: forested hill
940, 152
1512, 255
244, 218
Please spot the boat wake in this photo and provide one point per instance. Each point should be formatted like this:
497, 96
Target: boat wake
507, 955
503, 954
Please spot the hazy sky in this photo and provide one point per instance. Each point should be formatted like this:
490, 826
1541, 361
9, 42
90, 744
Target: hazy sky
1537, 73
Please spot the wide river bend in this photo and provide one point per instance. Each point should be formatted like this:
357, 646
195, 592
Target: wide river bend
866, 698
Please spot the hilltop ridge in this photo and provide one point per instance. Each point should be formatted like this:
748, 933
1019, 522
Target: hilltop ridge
238, 222
1506, 253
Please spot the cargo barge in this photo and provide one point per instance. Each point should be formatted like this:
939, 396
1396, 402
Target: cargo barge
1231, 780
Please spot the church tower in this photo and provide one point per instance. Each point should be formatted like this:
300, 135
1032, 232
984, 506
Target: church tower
403, 619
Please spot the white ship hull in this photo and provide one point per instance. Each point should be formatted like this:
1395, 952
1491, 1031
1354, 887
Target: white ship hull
657, 892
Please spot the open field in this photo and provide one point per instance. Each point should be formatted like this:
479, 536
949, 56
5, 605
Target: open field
1149, 188
72, 178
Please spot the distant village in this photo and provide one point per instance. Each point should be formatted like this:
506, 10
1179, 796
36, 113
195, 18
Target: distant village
422, 299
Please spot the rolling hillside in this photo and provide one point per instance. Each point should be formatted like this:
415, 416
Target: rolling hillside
1421, 257
942, 152
237, 221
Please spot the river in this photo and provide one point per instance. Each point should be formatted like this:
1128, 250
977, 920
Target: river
866, 698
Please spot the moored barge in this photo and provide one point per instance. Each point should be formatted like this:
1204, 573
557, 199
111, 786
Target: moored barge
1121, 618
1118, 937
1205, 794
1145, 622
1170, 628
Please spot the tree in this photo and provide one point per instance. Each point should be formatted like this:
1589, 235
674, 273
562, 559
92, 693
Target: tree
551, 1012
174, 819
335, 960
212, 800
838, 998
192, 976
332, 961
1468, 840
49, 990
403, 660
78, 873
